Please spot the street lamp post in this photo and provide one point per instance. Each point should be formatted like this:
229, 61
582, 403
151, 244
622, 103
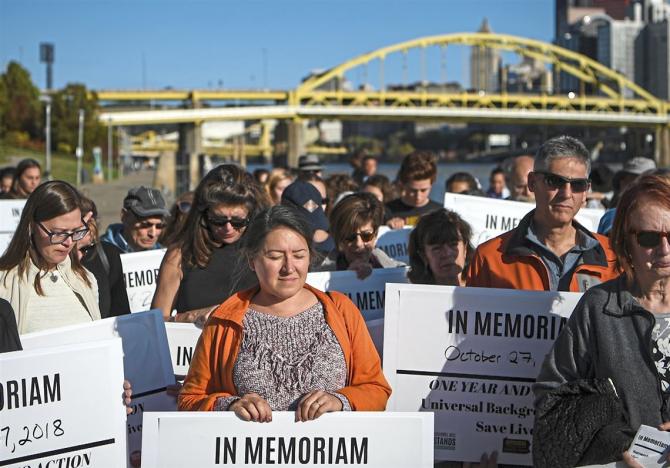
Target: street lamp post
80, 146
47, 133
110, 131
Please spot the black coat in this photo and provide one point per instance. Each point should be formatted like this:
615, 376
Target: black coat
9, 332
112, 295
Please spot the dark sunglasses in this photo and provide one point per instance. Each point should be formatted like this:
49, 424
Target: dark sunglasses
60, 237
555, 182
366, 236
220, 221
86, 249
184, 206
650, 239
149, 225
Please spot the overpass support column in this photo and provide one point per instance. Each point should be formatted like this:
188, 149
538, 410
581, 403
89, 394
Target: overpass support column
296, 141
188, 153
662, 149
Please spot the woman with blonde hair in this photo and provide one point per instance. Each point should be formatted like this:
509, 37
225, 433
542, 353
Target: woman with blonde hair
279, 179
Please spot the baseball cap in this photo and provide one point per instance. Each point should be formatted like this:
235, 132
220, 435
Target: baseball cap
638, 165
145, 202
307, 200
309, 162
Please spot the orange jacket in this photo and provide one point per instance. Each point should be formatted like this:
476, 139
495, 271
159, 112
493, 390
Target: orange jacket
506, 262
210, 375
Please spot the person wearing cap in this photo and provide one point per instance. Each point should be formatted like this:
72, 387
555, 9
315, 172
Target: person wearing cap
142, 221
549, 250
309, 163
304, 197
632, 169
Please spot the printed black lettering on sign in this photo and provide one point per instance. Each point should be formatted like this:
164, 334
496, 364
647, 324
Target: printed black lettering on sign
540, 327
292, 450
368, 300
136, 279
29, 392
184, 355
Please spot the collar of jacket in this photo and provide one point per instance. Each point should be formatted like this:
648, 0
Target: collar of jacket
235, 307
620, 302
516, 243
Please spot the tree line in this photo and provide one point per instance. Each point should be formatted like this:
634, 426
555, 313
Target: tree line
22, 114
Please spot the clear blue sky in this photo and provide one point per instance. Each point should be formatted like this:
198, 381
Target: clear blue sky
194, 44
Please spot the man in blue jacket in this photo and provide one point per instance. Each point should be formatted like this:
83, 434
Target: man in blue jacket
142, 221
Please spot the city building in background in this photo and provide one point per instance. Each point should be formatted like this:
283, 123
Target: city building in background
484, 65
628, 36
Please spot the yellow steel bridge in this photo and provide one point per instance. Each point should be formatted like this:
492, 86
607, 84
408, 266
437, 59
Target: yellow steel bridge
603, 98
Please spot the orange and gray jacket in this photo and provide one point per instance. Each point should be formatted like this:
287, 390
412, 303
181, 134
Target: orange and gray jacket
508, 262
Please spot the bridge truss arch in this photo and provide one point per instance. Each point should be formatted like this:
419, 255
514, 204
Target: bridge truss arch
615, 95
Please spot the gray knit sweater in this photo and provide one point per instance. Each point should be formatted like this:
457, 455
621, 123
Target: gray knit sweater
281, 359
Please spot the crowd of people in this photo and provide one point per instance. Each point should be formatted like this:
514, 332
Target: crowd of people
240, 246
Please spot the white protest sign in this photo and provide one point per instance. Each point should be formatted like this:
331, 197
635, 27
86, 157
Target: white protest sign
650, 446
10, 215
367, 294
62, 407
470, 355
395, 242
146, 360
490, 217
373, 439
182, 338
140, 275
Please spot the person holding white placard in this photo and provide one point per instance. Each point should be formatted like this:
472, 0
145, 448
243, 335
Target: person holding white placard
284, 345
549, 250
440, 249
40, 275
203, 267
609, 370
354, 223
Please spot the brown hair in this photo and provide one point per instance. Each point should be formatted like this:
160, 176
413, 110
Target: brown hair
642, 191
226, 184
382, 183
48, 201
352, 212
441, 226
175, 222
419, 165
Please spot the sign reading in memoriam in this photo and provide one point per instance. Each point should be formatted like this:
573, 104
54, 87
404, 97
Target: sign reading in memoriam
182, 338
10, 215
372, 439
146, 361
62, 407
140, 275
490, 217
395, 242
367, 294
480, 351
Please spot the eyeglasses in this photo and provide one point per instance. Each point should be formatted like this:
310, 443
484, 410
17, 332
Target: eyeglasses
221, 221
650, 239
366, 236
184, 206
56, 238
149, 225
555, 182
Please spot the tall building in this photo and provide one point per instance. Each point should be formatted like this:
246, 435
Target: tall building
616, 46
652, 57
484, 65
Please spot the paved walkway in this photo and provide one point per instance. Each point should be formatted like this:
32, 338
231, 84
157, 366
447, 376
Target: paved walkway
109, 196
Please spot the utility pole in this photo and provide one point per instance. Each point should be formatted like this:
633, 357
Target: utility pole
110, 131
46, 99
80, 146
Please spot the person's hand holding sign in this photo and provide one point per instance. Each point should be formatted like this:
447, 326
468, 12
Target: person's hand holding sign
252, 407
316, 403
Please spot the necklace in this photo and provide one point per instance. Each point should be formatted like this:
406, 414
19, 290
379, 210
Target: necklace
53, 276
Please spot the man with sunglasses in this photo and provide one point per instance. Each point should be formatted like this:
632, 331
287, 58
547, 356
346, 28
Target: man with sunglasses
142, 221
549, 250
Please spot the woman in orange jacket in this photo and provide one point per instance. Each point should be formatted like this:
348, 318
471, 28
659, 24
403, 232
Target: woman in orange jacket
284, 345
